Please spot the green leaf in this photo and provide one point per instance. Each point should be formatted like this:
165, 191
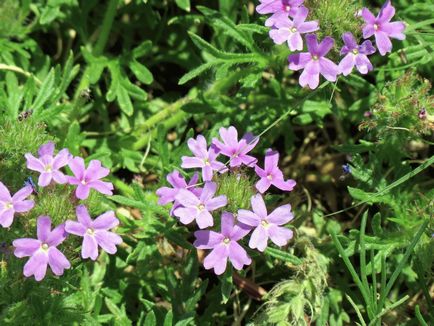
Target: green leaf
226, 285
45, 92
184, 4
195, 72
124, 101
282, 255
141, 72
150, 319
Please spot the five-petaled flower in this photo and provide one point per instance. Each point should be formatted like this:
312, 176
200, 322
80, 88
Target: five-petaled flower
382, 28
85, 179
271, 174
234, 149
224, 245
355, 55
203, 158
9, 205
199, 208
94, 232
42, 251
286, 30
279, 9
314, 62
49, 165
266, 226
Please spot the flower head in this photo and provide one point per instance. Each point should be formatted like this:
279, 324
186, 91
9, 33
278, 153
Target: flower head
279, 9
382, 28
272, 175
42, 251
286, 30
199, 207
314, 62
49, 165
203, 158
355, 55
224, 245
266, 226
234, 149
9, 205
94, 232
85, 179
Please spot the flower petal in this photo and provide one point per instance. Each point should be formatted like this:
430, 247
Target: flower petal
108, 240
217, 259
36, 265
89, 248
281, 215
75, 228
57, 236
187, 198
258, 206
238, 256
25, 247
204, 219
207, 239
247, 217
216, 203
43, 228
105, 221
24, 206
259, 239
33, 163
46, 149
279, 235
57, 261
83, 216
185, 215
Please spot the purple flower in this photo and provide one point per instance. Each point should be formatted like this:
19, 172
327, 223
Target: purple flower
224, 245
203, 158
355, 55
314, 62
43, 251
199, 208
271, 174
9, 205
266, 226
48, 165
94, 232
279, 8
290, 31
382, 28
85, 179
234, 149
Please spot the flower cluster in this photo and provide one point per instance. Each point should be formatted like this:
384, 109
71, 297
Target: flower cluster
194, 203
43, 250
288, 22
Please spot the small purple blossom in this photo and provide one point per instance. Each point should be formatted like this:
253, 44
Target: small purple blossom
286, 30
42, 251
49, 165
422, 114
176, 180
234, 149
355, 55
199, 207
85, 179
9, 205
204, 158
271, 174
279, 9
94, 232
382, 28
266, 226
314, 62
224, 245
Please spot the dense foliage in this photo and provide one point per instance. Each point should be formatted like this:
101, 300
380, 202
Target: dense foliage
127, 85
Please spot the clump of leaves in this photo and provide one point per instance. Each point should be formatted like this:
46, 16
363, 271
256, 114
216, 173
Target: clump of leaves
238, 188
335, 18
403, 105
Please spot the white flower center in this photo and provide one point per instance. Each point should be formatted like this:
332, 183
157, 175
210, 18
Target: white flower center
90, 231
44, 247
375, 27
264, 223
48, 168
315, 58
226, 241
201, 207
8, 205
293, 30
287, 8
270, 177
355, 52
206, 161
83, 182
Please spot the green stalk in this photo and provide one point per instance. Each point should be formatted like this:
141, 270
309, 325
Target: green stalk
100, 43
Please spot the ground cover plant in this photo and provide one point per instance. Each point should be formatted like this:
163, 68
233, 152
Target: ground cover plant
220, 162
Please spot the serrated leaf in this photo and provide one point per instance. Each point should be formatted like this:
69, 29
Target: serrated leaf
45, 92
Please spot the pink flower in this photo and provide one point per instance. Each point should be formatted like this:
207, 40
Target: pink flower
272, 175
289, 31
9, 205
204, 158
234, 149
199, 208
42, 251
382, 28
355, 55
49, 165
85, 179
224, 245
314, 62
278, 9
266, 226
94, 232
